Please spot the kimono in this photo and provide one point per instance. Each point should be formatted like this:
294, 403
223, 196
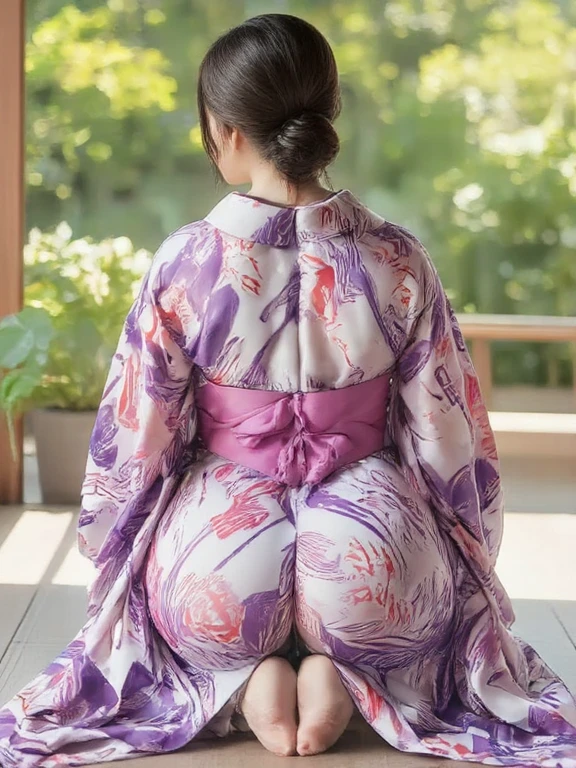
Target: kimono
292, 452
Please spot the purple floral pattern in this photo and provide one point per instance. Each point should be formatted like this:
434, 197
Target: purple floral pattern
205, 566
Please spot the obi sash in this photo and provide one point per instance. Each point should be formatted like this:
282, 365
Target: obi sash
296, 438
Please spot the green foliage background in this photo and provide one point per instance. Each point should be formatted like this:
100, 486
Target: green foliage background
459, 122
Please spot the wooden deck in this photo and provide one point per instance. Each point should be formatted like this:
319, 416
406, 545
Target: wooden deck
42, 603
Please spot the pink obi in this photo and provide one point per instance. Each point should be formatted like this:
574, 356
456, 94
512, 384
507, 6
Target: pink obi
295, 438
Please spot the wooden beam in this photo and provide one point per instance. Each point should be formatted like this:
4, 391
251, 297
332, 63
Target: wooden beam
482, 359
11, 206
518, 327
479, 330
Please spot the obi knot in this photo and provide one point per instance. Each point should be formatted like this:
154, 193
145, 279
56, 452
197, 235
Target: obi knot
295, 438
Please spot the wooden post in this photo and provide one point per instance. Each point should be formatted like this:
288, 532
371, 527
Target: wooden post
482, 359
11, 207
574, 371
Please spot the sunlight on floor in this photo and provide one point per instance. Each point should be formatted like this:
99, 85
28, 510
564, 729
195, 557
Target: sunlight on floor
75, 570
27, 551
537, 557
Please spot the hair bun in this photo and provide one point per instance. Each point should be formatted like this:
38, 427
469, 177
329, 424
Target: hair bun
304, 146
275, 79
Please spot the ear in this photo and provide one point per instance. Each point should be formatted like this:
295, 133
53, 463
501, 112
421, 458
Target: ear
237, 139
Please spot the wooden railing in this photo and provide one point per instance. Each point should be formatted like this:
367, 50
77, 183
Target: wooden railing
11, 206
481, 330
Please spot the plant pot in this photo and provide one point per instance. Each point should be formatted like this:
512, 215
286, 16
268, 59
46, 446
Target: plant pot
62, 441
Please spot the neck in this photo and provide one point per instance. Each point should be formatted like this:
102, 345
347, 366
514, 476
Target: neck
274, 190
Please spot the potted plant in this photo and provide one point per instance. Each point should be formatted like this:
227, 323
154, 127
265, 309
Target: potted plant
55, 353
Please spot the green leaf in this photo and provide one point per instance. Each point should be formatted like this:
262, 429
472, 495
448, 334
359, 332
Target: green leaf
12, 435
39, 322
23, 336
16, 343
10, 321
16, 387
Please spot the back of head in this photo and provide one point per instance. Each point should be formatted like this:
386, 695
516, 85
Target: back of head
275, 79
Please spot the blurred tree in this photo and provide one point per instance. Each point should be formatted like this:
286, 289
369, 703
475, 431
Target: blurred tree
459, 122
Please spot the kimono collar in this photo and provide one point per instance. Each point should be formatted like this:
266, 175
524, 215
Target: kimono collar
260, 222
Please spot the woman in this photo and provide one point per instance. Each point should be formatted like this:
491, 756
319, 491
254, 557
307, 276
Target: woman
292, 496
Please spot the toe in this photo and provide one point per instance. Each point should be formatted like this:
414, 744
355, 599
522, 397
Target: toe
324, 705
269, 706
319, 733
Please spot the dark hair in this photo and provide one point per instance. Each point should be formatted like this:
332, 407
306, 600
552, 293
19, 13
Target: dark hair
275, 79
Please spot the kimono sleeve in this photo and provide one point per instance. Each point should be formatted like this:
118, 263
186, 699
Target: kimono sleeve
441, 425
144, 425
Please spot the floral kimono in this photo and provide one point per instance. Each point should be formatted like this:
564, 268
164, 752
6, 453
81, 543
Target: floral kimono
292, 453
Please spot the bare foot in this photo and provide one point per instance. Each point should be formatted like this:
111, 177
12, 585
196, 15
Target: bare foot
269, 705
324, 705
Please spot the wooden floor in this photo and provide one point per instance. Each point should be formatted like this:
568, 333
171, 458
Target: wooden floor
42, 605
